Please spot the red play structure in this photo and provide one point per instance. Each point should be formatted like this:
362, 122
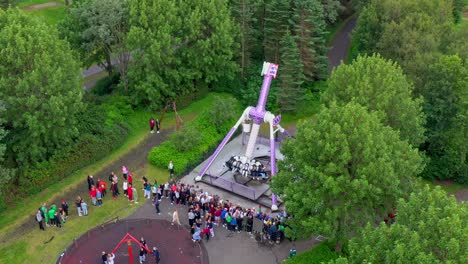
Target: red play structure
128, 238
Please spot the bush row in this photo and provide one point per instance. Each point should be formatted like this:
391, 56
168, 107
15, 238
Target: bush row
189, 146
102, 129
88, 149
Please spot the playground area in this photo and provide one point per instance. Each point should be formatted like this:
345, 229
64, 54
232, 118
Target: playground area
172, 241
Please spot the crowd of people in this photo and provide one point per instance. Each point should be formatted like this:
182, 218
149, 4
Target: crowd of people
205, 212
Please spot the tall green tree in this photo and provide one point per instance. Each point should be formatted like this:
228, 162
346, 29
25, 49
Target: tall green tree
343, 171
379, 14
208, 42
290, 93
381, 86
407, 40
40, 86
5, 173
444, 90
308, 25
98, 29
430, 228
243, 13
178, 46
277, 14
152, 74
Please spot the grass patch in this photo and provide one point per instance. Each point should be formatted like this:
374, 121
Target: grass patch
36, 251
50, 15
321, 253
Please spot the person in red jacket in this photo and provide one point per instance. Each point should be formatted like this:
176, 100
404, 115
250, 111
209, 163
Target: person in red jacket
130, 178
93, 193
130, 192
102, 187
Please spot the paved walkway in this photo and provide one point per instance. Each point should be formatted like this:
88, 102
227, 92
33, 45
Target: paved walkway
42, 6
340, 45
226, 247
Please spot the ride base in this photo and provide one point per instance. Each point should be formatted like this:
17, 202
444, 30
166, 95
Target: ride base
219, 176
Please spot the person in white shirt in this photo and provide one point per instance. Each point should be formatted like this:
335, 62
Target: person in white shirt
110, 258
171, 167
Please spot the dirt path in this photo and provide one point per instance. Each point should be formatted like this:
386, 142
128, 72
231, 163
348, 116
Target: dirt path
340, 45
135, 160
41, 6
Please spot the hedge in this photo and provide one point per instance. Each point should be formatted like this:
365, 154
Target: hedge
88, 149
102, 130
188, 147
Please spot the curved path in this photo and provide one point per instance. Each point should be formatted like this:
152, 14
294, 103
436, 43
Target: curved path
340, 45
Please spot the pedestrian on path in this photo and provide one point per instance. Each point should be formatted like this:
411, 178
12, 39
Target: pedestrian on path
90, 182
175, 217
156, 205
158, 125
157, 255
152, 123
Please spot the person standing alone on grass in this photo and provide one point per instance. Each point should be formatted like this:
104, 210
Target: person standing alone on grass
152, 123
40, 220
171, 168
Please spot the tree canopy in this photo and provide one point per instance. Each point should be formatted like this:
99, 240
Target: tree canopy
445, 83
381, 86
342, 171
40, 85
430, 228
176, 46
98, 29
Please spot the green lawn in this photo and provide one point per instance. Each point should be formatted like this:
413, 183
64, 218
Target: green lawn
30, 248
51, 15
